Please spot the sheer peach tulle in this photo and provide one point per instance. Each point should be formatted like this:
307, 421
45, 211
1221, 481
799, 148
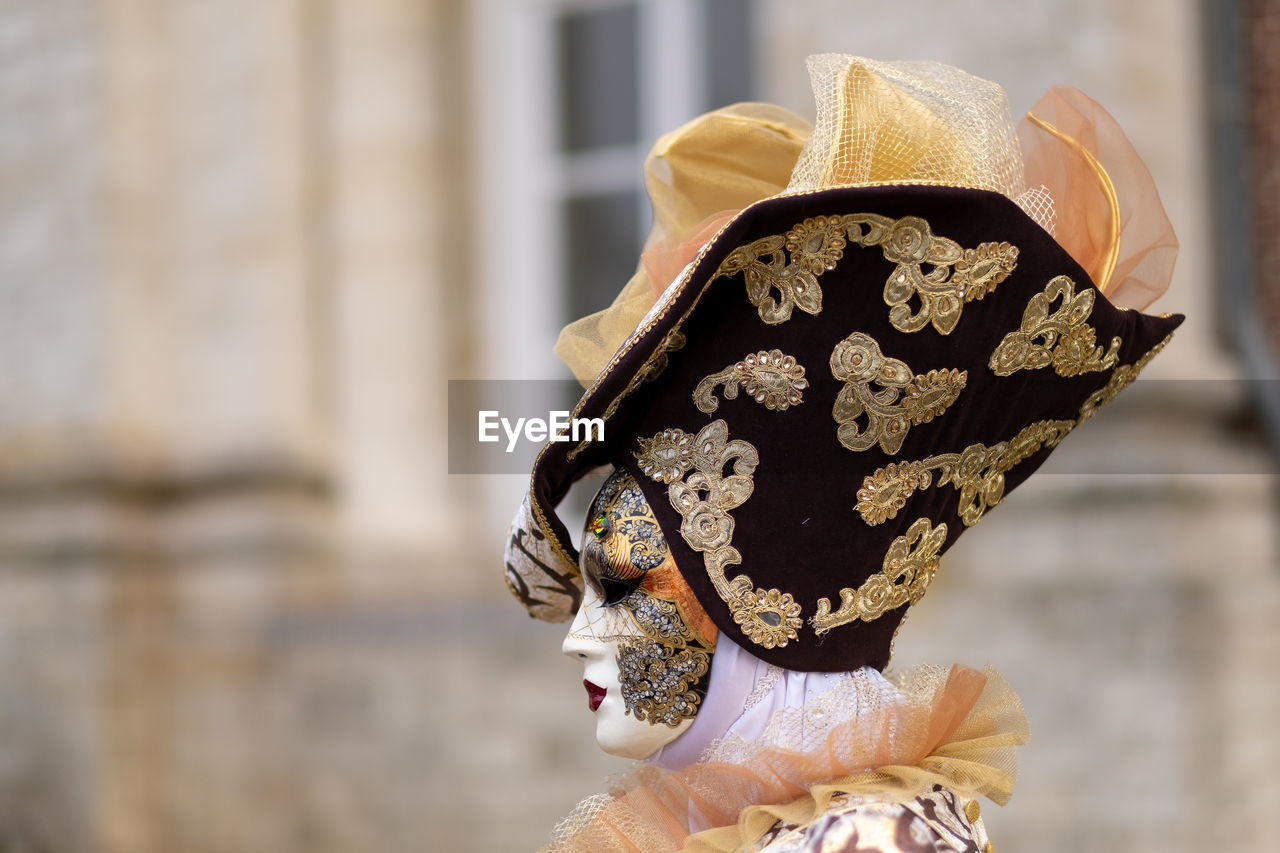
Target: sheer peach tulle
960, 733
1109, 213
664, 260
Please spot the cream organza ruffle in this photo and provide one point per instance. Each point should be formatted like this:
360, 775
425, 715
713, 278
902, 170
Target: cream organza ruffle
956, 729
1069, 166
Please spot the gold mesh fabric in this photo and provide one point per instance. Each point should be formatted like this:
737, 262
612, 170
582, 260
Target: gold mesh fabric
907, 122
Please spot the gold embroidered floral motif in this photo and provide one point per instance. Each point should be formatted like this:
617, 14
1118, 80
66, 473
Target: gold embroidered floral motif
769, 377
903, 400
791, 263
977, 473
909, 567
816, 244
704, 499
768, 617
1061, 338
1120, 379
797, 287
667, 456
942, 291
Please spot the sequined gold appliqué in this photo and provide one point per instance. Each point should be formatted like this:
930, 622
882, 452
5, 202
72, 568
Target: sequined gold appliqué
790, 264
1060, 338
902, 400
957, 276
769, 377
704, 498
977, 473
909, 567
1120, 379
667, 456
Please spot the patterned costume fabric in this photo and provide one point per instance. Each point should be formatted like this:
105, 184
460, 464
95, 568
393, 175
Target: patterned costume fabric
857, 369
843, 377
934, 822
861, 375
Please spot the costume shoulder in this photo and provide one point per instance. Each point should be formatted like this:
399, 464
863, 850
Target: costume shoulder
938, 821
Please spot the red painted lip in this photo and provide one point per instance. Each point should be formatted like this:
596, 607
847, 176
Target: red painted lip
595, 694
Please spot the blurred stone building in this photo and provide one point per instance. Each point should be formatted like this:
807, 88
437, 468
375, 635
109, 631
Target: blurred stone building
244, 246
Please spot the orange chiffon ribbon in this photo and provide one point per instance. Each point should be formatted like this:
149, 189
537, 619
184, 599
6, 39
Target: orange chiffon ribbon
1109, 215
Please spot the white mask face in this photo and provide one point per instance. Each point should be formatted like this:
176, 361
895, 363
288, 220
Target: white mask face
617, 730
645, 667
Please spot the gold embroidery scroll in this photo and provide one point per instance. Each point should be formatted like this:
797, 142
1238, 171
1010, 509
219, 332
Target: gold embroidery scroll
791, 263
902, 401
770, 378
1120, 379
694, 469
977, 473
957, 276
1061, 338
909, 567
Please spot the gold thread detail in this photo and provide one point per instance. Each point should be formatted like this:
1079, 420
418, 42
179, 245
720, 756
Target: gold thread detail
1120, 379
1061, 338
791, 263
667, 456
977, 473
769, 377
660, 309
902, 401
909, 567
704, 497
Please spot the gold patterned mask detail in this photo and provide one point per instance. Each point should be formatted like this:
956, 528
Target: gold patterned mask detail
665, 640
769, 377
977, 473
909, 567
1061, 338
903, 400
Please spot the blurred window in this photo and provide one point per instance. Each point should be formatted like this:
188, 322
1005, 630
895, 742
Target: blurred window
627, 72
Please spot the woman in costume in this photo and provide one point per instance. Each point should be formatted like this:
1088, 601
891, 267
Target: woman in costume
844, 345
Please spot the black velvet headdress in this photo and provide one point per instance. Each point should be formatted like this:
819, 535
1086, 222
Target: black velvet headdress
840, 384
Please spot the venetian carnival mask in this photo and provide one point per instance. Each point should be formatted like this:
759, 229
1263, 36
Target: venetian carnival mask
644, 641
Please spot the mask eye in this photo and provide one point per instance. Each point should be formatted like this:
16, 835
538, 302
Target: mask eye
613, 590
621, 540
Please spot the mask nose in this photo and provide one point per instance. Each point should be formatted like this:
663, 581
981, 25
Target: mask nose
581, 643
576, 646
